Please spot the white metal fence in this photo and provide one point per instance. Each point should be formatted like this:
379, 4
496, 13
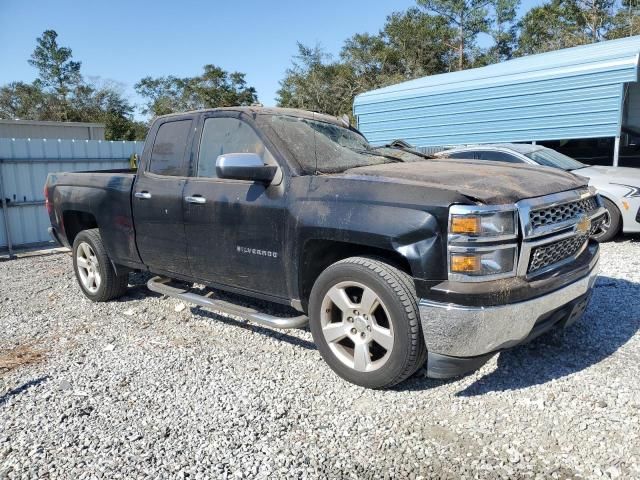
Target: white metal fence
24, 166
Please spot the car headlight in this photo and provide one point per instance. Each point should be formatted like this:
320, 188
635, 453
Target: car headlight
481, 263
482, 224
482, 242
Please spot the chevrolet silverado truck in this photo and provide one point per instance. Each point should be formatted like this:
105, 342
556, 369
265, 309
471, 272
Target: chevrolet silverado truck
392, 257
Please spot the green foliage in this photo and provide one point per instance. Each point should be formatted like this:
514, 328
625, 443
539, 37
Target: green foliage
411, 44
213, 88
467, 18
549, 27
60, 93
439, 36
57, 72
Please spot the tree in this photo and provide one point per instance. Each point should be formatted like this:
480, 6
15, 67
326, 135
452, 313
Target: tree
595, 17
467, 17
626, 21
57, 73
316, 82
503, 29
60, 93
213, 88
411, 44
421, 43
551, 26
22, 100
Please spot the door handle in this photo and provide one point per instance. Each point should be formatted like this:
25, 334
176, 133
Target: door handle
145, 195
195, 199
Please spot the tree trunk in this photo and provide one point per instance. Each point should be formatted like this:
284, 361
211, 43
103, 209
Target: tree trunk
461, 49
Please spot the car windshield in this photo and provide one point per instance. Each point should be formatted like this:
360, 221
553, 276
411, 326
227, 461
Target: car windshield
329, 148
551, 158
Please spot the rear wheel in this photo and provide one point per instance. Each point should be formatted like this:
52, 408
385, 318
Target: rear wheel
612, 223
365, 321
96, 276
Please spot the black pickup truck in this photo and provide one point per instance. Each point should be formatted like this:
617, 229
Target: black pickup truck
393, 258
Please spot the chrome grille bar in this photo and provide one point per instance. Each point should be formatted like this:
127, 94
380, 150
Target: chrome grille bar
555, 229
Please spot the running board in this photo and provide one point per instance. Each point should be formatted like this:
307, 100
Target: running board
160, 285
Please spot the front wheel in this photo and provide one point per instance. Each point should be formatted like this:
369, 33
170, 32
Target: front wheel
364, 319
96, 276
611, 225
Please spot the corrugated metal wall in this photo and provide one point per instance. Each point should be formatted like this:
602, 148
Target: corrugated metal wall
24, 166
40, 129
571, 93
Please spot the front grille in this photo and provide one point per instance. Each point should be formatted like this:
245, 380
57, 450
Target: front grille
561, 213
554, 252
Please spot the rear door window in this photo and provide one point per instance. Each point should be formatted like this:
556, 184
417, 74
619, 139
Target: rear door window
496, 156
170, 149
467, 155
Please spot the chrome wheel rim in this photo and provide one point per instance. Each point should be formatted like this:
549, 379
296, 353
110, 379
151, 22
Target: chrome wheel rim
88, 267
357, 326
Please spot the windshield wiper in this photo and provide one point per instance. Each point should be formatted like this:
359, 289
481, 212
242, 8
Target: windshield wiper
405, 147
375, 153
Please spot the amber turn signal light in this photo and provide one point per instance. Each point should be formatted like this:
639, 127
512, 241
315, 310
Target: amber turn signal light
465, 263
465, 225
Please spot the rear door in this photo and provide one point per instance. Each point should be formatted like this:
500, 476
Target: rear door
157, 197
235, 228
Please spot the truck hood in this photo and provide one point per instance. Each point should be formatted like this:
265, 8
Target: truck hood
488, 182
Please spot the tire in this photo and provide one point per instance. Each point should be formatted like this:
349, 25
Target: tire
356, 303
612, 224
94, 271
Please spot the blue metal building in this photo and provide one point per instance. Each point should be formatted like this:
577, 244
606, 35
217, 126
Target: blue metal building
590, 91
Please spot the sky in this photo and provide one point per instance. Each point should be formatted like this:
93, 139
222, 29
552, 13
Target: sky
124, 41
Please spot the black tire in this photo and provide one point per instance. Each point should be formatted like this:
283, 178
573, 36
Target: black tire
396, 291
111, 285
613, 224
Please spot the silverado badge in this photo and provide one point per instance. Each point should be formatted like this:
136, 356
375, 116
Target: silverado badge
584, 225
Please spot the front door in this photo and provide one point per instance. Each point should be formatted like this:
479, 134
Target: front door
235, 228
157, 199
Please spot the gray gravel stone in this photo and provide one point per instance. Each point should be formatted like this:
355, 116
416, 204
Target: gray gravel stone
145, 387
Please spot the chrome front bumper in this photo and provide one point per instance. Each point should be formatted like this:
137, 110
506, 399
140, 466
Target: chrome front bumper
460, 331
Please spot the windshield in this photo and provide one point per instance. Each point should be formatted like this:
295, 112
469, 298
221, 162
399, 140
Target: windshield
551, 158
334, 148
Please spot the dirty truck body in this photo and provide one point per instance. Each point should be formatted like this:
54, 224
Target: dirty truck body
396, 258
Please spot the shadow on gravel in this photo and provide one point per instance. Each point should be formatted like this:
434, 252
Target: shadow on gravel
611, 320
279, 335
138, 289
18, 390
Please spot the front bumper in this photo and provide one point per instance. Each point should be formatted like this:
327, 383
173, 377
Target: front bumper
473, 334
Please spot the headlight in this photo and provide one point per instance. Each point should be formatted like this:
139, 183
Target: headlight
478, 263
482, 242
482, 224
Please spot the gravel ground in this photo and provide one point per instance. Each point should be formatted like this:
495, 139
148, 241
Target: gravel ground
145, 387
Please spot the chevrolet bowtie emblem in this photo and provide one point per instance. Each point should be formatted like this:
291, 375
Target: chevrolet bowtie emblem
584, 225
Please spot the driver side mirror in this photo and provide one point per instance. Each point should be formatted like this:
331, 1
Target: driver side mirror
244, 166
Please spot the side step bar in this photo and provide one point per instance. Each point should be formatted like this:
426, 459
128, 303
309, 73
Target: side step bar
160, 285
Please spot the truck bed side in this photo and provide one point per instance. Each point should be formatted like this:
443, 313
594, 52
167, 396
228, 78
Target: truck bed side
100, 199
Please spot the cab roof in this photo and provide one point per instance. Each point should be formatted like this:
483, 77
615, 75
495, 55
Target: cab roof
258, 110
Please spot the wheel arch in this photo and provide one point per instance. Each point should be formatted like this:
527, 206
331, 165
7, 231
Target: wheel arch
75, 221
318, 254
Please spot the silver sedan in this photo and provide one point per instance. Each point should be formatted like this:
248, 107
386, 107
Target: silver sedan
619, 186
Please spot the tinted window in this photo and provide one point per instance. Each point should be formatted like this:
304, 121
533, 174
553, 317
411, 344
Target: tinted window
169, 147
498, 156
551, 158
227, 135
464, 155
